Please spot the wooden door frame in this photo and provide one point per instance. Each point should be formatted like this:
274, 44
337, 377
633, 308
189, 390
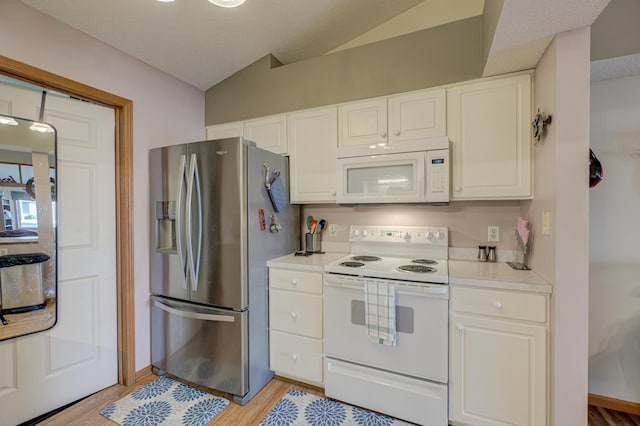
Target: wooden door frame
124, 196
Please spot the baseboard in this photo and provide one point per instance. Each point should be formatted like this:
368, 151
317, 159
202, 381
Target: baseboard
144, 373
614, 404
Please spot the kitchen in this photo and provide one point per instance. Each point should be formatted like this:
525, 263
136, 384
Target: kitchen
148, 93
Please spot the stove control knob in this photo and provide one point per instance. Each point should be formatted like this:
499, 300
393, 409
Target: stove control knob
407, 236
439, 235
365, 232
356, 232
429, 235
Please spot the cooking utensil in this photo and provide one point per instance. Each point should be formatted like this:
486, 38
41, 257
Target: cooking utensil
321, 225
314, 224
309, 220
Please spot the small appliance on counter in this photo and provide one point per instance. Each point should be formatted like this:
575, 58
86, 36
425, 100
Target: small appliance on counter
210, 244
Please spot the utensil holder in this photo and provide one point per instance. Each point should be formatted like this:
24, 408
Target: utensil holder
312, 242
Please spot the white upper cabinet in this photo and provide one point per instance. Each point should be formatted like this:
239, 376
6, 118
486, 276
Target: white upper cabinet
269, 133
363, 122
410, 116
313, 139
417, 115
489, 126
226, 130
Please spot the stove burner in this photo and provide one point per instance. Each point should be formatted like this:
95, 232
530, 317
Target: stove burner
352, 264
366, 258
424, 261
417, 268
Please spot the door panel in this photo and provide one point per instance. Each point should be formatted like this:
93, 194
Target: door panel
222, 260
78, 356
200, 344
168, 189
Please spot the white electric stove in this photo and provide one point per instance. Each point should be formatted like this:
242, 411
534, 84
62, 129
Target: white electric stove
407, 379
416, 254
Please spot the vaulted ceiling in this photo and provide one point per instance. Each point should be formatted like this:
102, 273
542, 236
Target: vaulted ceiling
203, 44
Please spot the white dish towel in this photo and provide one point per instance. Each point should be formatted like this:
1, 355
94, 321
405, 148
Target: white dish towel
380, 312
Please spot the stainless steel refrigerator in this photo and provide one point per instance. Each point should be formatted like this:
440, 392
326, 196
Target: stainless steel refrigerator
214, 226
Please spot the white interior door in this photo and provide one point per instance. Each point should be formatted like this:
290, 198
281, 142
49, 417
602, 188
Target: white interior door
77, 357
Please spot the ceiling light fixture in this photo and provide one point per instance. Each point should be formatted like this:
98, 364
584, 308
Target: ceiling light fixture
41, 127
8, 121
227, 3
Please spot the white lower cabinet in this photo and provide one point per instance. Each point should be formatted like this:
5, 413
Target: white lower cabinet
295, 325
498, 358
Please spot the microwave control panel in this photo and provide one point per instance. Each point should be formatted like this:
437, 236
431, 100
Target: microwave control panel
438, 175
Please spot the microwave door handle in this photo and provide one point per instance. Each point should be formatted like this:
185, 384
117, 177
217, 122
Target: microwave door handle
195, 315
179, 219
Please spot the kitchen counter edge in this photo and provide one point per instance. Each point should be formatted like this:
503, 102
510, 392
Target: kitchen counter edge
497, 275
314, 262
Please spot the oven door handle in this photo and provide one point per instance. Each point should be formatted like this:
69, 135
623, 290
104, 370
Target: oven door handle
422, 290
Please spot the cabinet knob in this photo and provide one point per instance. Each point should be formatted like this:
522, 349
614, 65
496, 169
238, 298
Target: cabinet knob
294, 315
383, 134
333, 193
397, 132
294, 357
497, 305
459, 327
294, 283
458, 189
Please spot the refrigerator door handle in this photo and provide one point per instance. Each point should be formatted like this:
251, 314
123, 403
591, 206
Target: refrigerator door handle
195, 315
193, 256
195, 261
179, 224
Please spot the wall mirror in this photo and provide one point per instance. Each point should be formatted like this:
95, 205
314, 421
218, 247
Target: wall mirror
28, 273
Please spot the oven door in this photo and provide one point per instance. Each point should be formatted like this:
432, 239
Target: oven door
421, 322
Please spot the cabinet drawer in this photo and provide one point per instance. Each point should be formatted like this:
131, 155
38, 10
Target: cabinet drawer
296, 313
308, 282
296, 357
503, 304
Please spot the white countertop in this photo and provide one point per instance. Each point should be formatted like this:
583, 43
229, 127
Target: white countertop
495, 275
314, 262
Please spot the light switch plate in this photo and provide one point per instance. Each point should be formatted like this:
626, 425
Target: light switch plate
546, 227
333, 230
493, 233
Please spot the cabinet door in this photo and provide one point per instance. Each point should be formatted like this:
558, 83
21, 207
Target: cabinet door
417, 115
489, 125
363, 122
498, 372
269, 133
313, 139
226, 130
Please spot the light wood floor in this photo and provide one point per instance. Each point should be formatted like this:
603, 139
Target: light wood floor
86, 412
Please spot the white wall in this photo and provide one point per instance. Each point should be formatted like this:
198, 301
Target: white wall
562, 90
614, 280
165, 111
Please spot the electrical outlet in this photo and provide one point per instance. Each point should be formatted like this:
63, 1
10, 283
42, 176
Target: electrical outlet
333, 230
493, 233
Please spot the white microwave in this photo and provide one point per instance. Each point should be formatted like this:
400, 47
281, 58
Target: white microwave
414, 172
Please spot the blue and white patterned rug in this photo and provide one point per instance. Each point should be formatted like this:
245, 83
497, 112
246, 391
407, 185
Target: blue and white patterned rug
300, 408
165, 401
